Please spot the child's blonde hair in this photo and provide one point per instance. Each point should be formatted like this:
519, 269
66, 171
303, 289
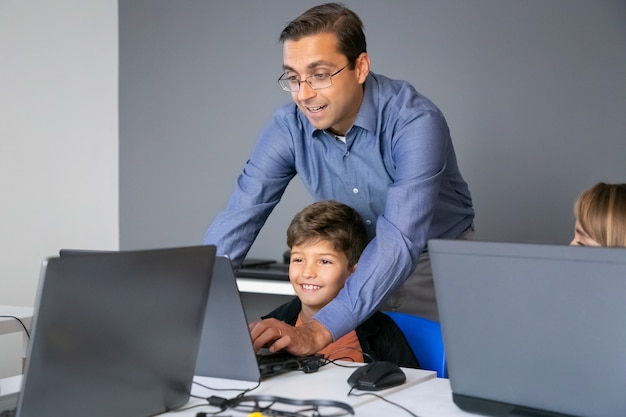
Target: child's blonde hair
601, 212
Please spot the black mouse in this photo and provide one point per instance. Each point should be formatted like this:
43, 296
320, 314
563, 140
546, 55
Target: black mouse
377, 375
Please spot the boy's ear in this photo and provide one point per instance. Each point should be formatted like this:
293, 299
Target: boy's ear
353, 268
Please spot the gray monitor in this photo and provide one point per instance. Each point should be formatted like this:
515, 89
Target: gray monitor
533, 329
116, 334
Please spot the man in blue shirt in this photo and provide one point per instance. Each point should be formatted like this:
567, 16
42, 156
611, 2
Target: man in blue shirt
367, 141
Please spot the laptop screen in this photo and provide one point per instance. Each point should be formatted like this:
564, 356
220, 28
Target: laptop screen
533, 328
116, 334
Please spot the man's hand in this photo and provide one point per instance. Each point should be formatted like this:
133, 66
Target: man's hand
307, 339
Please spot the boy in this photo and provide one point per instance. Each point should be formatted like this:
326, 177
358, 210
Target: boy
326, 240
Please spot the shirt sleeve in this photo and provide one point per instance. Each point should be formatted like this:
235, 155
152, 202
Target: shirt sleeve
257, 191
419, 148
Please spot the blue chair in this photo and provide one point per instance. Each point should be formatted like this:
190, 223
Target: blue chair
424, 337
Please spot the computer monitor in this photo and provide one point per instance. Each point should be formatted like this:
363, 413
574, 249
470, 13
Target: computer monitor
116, 333
533, 329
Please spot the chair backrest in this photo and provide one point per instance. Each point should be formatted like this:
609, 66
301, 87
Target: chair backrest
424, 337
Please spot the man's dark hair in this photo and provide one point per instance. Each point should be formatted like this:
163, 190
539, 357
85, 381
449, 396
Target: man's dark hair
330, 18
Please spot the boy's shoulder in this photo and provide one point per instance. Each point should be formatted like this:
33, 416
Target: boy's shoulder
287, 312
378, 322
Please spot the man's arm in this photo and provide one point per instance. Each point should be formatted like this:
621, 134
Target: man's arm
419, 150
258, 189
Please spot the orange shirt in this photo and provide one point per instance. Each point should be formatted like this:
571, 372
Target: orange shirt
345, 348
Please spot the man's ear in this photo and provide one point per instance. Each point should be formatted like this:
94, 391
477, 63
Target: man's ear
362, 68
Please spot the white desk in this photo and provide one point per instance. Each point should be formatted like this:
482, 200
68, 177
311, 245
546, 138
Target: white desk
272, 278
10, 325
10, 384
265, 286
423, 394
329, 383
432, 398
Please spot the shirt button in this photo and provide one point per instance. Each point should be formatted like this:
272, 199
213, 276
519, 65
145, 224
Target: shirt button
355, 190
347, 153
368, 222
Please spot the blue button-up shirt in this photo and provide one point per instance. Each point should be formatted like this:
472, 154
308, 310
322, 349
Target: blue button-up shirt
397, 168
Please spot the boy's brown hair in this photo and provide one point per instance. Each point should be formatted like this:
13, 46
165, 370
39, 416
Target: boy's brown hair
331, 221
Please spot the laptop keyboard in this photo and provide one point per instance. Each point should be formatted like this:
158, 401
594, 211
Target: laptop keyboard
280, 362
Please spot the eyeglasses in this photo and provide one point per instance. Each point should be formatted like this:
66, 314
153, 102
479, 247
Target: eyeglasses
315, 81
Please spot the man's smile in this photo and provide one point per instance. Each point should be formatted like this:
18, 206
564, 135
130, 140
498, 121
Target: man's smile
315, 109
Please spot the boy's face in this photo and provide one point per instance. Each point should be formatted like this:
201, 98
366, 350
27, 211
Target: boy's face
317, 272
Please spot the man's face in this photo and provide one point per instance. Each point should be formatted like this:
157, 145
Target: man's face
334, 107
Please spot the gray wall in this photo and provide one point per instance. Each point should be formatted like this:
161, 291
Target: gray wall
534, 92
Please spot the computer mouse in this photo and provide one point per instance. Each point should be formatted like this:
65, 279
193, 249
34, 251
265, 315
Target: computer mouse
377, 375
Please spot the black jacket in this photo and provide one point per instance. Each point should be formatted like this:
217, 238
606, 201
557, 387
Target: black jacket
380, 338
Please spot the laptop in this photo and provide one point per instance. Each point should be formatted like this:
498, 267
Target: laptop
116, 334
531, 329
226, 349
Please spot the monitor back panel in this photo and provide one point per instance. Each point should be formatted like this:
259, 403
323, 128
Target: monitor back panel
116, 334
226, 349
533, 327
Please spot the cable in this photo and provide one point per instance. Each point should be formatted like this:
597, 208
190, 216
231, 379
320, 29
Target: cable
243, 391
20, 321
382, 398
343, 365
266, 405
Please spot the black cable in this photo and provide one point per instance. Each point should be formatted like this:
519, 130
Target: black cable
237, 403
382, 398
198, 406
341, 365
20, 321
202, 397
243, 391
267, 409
312, 405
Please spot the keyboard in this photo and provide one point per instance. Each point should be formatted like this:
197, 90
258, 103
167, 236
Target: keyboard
280, 362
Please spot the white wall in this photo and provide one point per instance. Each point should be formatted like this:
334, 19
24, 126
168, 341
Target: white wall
58, 140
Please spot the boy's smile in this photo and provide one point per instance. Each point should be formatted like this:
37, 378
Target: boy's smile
317, 272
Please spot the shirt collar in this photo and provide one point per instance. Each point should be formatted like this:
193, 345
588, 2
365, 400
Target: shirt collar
367, 118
